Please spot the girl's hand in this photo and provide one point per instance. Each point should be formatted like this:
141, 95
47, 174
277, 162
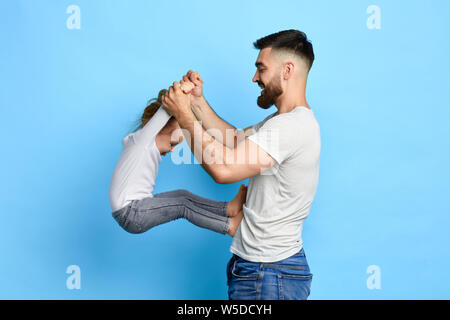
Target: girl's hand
186, 86
175, 101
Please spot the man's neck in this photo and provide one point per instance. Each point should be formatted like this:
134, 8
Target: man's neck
296, 98
285, 105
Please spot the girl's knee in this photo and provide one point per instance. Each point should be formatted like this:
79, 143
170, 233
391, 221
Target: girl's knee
184, 193
173, 194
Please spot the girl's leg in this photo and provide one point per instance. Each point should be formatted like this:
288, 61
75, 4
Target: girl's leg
223, 208
217, 207
141, 215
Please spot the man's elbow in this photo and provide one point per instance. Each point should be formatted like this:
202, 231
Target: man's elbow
222, 176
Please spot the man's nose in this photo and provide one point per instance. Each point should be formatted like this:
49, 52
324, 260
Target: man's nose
255, 77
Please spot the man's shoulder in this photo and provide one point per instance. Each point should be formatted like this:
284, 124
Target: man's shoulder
286, 120
283, 119
299, 116
258, 125
270, 116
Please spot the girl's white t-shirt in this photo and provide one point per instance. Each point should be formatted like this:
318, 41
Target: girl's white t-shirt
136, 170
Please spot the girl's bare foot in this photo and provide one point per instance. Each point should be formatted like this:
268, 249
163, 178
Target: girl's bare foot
235, 205
234, 223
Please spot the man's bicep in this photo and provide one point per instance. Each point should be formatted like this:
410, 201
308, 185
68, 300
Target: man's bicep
247, 160
241, 134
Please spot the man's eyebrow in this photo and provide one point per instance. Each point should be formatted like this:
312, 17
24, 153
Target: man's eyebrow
259, 64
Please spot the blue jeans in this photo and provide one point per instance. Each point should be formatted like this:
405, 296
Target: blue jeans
288, 279
144, 214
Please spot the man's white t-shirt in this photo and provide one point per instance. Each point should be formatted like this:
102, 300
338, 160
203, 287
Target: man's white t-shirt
279, 198
136, 170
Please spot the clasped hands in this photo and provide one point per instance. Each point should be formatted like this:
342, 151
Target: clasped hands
177, 99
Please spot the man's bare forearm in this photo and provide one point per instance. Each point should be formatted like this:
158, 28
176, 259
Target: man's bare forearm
222, 131
210, 153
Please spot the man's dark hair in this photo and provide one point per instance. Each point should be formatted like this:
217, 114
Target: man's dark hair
292, 40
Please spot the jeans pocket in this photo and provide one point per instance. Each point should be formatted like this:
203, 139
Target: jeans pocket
243, 269
243, 280
294, 286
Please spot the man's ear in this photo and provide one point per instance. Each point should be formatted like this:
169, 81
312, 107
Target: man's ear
288, 70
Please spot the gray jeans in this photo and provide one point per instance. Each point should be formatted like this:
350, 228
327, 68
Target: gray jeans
143, 214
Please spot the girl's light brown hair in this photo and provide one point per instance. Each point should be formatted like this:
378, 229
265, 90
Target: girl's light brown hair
152, 106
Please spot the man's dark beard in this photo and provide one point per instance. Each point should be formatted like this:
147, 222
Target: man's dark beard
271, 92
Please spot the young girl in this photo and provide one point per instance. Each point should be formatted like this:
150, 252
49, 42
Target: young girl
133, 204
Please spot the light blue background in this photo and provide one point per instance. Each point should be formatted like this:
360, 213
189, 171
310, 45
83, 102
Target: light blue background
69, 96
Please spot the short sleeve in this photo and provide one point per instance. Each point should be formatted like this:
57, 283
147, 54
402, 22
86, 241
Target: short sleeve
278, 137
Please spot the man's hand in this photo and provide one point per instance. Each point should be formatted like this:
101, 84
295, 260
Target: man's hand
196, 80
176, 102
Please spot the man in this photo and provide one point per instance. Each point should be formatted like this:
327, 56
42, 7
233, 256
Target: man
268, 259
